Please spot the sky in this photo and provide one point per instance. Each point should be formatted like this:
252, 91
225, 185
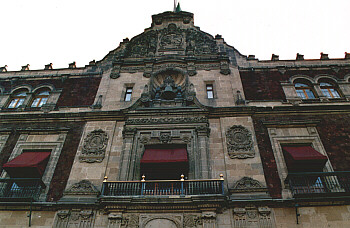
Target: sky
39, 32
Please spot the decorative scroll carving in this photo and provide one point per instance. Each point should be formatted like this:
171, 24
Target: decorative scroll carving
94, 147
83, 187
239, 142
165, 137
247, 184
209, 219
75, 218
253, 217
167, 120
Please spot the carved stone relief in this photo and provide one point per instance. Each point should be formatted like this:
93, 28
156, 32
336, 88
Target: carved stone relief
74, 218
191, 220
83, 187
247, 184
94, 147
165, 137
251, 217
239, 142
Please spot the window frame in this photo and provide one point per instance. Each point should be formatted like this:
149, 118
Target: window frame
128, 94
209, 90
305, 89
39, 96
327, 90
15, 96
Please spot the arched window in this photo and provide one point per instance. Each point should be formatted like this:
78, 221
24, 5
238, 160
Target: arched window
17, 99
40, 98
304, 90
329, 90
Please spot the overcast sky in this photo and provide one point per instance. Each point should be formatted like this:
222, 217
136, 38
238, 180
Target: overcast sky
39, 32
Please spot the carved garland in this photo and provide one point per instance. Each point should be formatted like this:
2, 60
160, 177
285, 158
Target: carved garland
239, 142
94, 147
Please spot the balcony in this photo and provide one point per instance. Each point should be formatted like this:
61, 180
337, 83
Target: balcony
163, 187
20, 189
319, 184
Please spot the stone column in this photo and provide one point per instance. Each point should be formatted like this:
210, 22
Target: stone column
126, 170
115, 220
203, 152
209, 219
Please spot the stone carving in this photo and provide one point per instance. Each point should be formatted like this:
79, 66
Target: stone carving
239, 142
186, 138
94, 147
130, 221
209, 219
192, 220
171, 41
75, 218
251, 216
224, 68
202, 42
142, 45
144, 139
83, 187
165, 137
129, 131
247, 184
203, 130
167, 120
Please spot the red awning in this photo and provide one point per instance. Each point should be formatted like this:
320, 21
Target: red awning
164, 155
304, 159
27, 165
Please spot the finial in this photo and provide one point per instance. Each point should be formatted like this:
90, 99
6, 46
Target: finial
143, 178
221, 176
182, 177
105, 179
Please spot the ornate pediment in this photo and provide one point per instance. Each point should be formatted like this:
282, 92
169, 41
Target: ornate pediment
248, 184
83, 187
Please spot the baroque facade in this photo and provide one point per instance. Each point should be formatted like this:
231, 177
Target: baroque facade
175, 128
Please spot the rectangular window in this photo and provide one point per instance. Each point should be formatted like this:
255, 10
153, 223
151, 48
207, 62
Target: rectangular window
210, 91
128, 93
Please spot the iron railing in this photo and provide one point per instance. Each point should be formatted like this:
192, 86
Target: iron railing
163, 187
18, 189
319, 184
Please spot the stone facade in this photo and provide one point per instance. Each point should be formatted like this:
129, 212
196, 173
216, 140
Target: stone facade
177, 88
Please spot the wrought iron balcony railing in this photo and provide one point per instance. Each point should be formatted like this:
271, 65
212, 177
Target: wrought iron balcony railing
163, 187
20, 189
320, 184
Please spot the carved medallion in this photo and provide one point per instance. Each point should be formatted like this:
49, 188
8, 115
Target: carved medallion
94, 147
165, 137
239, 142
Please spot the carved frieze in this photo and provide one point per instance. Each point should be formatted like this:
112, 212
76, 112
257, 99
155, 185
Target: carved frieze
239, 142
83, 187
167, 120
253, 217
75, 218
94, 147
